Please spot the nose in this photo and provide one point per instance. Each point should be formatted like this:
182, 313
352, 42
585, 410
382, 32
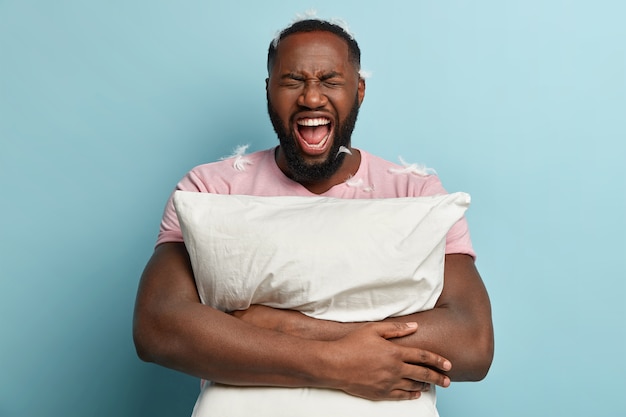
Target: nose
312, 97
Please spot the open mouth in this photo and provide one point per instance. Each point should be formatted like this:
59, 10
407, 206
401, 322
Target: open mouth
313, 134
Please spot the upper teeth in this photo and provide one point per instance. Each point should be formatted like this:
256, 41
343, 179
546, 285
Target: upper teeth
314, 122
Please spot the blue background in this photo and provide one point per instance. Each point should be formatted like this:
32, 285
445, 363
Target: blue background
105, 105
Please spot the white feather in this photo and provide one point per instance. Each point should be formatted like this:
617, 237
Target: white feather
351, 182
344, 150
240, 161
407, 168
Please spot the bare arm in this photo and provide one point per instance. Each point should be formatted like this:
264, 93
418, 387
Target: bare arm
458, 328
172, 328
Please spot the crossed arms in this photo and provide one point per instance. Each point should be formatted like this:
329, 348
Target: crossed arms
393, 359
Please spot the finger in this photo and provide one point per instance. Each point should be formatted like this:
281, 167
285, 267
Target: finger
413, 386
405, 389
389, 330
400, 394
426, 375
427, 358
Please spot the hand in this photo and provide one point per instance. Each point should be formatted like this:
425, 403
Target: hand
366, 364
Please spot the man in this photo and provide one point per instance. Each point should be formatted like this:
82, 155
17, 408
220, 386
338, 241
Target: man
314, 91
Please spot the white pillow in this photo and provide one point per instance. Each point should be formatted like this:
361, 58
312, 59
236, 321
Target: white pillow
337, 259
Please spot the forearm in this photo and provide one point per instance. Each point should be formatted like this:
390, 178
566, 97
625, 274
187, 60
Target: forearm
172, 328
228, 351
363, 363
295, 323
458, 328
468, 346
465, 342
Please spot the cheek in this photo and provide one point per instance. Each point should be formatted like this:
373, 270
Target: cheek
343, 98
283, 103
344, 104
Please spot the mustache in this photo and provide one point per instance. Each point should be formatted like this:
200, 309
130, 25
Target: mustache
300, 169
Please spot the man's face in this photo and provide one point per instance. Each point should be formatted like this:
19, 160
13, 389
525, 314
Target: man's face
313, 96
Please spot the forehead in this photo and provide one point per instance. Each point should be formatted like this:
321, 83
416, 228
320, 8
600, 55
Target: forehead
312, 51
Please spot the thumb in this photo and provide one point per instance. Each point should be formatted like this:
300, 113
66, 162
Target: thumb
392, 329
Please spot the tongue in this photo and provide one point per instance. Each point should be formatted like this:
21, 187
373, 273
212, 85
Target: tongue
313, 134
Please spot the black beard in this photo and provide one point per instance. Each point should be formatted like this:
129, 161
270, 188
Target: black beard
301, 171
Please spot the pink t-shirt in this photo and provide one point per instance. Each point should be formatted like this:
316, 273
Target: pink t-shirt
257, 174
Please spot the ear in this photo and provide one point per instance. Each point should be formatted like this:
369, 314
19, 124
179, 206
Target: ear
267, 83
361, 90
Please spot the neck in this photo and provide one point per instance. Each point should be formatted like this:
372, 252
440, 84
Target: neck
348, 168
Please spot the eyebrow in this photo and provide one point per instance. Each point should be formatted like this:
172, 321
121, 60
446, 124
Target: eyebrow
300, 77
292, 76
330, 75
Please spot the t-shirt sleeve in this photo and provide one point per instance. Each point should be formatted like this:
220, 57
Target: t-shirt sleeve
458, 239
169, 230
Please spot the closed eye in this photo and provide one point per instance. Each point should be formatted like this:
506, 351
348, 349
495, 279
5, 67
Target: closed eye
330, 75
332, 79
334, 83
292, 80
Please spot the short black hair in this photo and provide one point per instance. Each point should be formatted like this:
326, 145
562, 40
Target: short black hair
315, 25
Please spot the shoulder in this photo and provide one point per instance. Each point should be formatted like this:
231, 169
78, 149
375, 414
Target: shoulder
220, 176
401, 179
396, 167
234, 164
